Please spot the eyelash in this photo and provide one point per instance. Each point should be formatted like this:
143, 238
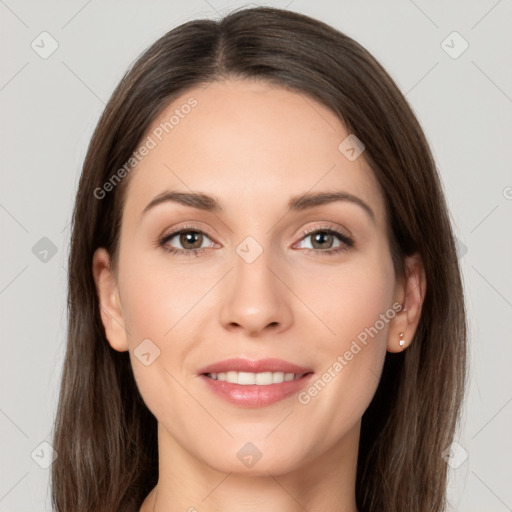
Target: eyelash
346, 241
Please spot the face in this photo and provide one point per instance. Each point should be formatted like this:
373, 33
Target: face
251, 272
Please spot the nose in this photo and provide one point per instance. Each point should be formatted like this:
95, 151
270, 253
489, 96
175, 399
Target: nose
255, 298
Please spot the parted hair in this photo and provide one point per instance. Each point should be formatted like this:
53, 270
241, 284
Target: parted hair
105, 436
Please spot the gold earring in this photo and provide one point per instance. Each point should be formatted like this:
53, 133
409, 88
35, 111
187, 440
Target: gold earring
402, 341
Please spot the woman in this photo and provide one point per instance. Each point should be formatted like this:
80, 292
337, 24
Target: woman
267, 372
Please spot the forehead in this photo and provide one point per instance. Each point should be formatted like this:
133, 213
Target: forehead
250, 144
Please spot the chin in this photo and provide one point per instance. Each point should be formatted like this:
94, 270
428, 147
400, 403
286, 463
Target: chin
252, 462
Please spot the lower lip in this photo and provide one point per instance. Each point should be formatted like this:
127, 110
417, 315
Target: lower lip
255, 395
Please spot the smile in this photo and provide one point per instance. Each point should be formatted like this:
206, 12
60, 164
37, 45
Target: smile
258, 379
253, 390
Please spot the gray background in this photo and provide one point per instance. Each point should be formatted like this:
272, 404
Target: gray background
51, 105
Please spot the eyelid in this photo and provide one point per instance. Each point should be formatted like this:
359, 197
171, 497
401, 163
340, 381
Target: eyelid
327, 226
175, 231
346, 240
305, 231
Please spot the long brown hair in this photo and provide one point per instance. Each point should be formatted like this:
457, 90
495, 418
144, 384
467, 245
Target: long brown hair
105, 436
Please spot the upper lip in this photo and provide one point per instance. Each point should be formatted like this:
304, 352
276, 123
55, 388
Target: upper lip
262, 365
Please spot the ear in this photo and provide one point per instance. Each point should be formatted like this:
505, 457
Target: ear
410, 292
109, 301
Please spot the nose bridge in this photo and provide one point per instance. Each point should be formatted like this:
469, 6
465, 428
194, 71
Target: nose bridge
254, 282
255, 297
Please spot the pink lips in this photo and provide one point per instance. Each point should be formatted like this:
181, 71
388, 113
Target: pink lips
262, 365
252, 396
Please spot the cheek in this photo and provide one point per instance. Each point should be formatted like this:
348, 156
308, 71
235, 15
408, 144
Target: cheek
156, 295
160, 303
361, 303
157, 304
350, 298
356, 308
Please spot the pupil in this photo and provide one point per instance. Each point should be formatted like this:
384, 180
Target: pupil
321, 237
188, 238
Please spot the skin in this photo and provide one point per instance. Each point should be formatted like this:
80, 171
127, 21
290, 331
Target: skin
253, 146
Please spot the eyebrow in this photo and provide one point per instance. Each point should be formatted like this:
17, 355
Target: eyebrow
298, 203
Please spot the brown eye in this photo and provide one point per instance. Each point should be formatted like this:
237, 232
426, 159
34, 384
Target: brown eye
327, 241
322, 240
191, 239
187, 242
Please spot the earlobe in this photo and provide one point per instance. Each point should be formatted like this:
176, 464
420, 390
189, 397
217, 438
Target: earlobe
109, 303
411, 295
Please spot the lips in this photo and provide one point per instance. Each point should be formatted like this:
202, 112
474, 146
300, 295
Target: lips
260, 366
246, 383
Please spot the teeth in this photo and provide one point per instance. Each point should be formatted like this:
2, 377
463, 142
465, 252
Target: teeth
260, 379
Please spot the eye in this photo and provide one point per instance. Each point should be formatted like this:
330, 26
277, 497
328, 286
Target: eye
191, 239
324, 239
